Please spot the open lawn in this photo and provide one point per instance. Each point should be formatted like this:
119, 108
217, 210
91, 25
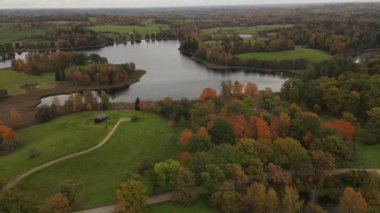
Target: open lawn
10, 34
368, 155
13, 81
151, 28
198, 207
312, 55
102, 170
245, 30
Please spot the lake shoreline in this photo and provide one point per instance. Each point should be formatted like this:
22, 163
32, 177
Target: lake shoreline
28, 102
226, 68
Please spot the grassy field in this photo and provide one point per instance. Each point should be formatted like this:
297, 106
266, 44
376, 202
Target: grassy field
102, 170
12, 81
10, 34
368, 155
245, 30
199, 207
151, 28
312, 55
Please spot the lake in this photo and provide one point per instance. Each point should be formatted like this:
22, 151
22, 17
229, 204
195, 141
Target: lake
169, 73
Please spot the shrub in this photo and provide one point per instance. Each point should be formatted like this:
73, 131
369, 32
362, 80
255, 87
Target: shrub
134, 118
33, 153
3, 94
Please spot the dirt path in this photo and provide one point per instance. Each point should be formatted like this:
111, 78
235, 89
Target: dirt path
15, 181
162, 198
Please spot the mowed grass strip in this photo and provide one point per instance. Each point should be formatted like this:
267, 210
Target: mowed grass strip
198, 207
13, 81
102, 171
246, 30
312, 55
57, 138
125, 29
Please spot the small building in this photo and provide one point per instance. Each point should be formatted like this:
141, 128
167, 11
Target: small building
101, 118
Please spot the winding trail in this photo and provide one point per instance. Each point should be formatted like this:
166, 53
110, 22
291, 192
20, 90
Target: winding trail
15, 181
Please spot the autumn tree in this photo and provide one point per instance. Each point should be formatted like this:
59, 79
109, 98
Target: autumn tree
239, 125
104, 100
56, 101
323, 163
131, 197
16, 118
272, 204
256, 197
70, 189
227, 200
88, 100
56, 203
263, 130
291, 202
208, 94
237, 89
352, 201
185, 136
184, 190
344, 129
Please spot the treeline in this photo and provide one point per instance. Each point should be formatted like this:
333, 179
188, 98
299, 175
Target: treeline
338, 86
104, 74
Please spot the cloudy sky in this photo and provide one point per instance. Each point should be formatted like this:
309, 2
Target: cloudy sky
4, 4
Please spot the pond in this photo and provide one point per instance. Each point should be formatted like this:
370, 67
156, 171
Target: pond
169, 73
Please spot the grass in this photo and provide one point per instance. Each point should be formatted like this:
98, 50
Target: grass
312, 55
102, 170
245, 30
151, 28
368, 155
199, 207
10, 34
13, 81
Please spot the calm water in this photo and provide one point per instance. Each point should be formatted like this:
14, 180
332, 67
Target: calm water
169, 73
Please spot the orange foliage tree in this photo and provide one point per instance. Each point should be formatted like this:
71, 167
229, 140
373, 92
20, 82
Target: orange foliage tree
8, 139
16, 118
208, 94
239, 125
202, 131
263, 130
185, 136
184, 156
345, 129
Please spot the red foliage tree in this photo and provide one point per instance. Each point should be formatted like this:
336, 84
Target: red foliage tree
184, 156
239, 125
345, 129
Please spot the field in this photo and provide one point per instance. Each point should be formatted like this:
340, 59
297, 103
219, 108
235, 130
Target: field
151, 28
13, 81
245, 30
368, 155
299, 52
199, 207
10, 34
132, 141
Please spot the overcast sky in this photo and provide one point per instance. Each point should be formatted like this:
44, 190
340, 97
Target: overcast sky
4, 4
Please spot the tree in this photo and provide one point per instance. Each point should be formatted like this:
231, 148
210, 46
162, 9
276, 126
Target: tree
256, 197
46, 113
344, 129
104, 97
167, 171
212, 178
70, 190
185, 136
198, 162
221, 132
57, 203
77, 102
235, 172
208, 94
238, 89
290, 201
313, 207
56, 101
239, 125
263, 131
88, 100
352, 201
272, 204
373, 123
15, 201
16, 118
137, 104
323, 163
185, 190
131, 197
227, 200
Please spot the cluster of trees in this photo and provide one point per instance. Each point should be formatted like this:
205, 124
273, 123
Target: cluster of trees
249, 150
39, 63
100, 73
224, 52
75, 37
340, 88
75, 103
8, 139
